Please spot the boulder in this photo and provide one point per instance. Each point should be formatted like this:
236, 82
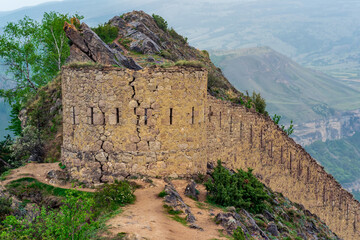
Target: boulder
58, 177
174, 200
191, 191
272, 228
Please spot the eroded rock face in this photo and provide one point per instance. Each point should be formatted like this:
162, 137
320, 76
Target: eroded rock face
147, 38
87, 46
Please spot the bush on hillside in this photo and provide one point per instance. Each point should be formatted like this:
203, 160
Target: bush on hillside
106, 32
74, 220
160, 22
115, 194
259, 102
240, 189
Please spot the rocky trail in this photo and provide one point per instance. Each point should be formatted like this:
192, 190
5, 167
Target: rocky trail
146, 218
39, 171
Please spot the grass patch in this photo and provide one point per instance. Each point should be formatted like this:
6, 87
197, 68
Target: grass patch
179, 219
192, 63
4, 175
201, 205
31, 190
175, 214
85, 65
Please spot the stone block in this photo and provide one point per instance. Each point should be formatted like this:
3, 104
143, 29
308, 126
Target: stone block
155, 146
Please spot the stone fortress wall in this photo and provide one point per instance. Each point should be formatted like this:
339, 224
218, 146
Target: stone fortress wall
161, 122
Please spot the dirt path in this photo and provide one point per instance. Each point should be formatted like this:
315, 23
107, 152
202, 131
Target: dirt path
147, 217
39, 172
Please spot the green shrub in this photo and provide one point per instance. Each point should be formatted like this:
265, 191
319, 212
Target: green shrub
5, 207
240, 189
238, 234
259, 102
160, 22
162, 194
62, 166
290, 130
74, 220
115, 194
106, 32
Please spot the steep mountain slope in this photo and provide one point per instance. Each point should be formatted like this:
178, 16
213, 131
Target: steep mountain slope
341, 158
291, 90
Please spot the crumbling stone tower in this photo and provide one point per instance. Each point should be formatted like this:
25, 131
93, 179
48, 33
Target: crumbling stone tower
119, 122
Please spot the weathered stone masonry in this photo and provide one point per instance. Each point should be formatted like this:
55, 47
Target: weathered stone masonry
161, 122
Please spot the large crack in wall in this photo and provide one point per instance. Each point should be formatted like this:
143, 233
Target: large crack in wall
131, 83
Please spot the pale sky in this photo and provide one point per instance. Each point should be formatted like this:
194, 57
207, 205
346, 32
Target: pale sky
8, 5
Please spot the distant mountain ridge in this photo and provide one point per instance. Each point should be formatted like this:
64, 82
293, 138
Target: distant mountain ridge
293, 91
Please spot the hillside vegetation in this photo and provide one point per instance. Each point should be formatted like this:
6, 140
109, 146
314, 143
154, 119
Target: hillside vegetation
291, 90
159, 207
341, 158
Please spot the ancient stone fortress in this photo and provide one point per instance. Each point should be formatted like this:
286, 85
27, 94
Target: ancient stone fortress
162, 122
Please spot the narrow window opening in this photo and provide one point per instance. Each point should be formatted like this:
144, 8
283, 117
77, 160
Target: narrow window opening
171, 116
73, 113
220, 119
308, 175
241, 129
251, 134
210, 114
192, 115
146, 117
290, 162
92, 115
231, 124
117, 116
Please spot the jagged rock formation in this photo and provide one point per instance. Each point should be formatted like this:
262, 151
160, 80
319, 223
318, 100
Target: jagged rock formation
147, 38
87, 46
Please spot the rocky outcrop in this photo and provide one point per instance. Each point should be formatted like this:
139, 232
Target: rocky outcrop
191, 191
147, 38
342, 124
174, 200
87, 46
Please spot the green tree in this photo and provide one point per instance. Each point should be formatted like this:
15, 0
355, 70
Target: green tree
240, 189
33, 53
20, 50
54, 40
